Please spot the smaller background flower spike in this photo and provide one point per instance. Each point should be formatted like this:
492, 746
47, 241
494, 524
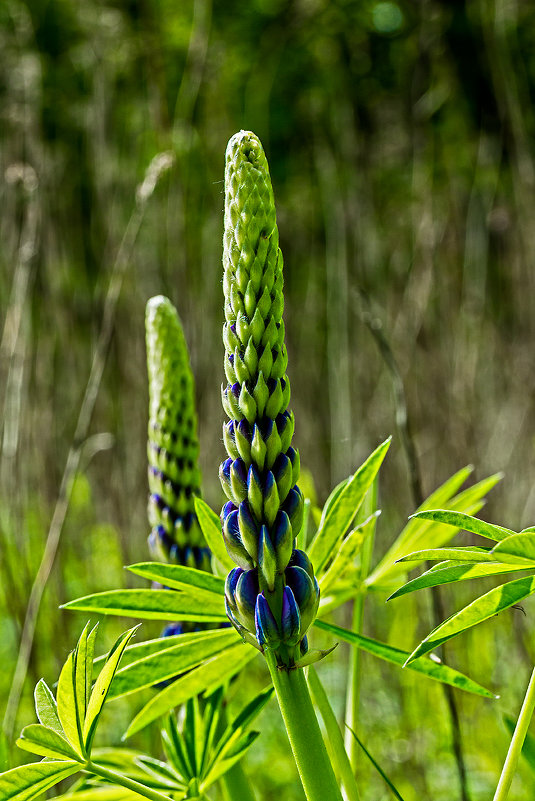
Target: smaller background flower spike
264, 511
173, 445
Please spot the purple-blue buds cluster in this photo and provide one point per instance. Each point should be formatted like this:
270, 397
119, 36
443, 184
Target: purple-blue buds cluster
272, 596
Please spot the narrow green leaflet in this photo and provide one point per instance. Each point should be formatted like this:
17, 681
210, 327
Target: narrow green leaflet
68, 705
420, 531
45, 742
46, 707
448, 572
168, 663
180, 578
428, 667
211, 528
462, 554
153, 605
30, 781
106, 793
348, 551
481, 609
102, 686
519, 549
377, 767
140, 650
207, 677
344, 508
464, 521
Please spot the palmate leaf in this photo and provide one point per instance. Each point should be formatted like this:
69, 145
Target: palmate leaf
211, 529
44, 741
481, 609
68, 706
168, 662
29, 781
427, 667
154, 605
449, 572
420, 531
203, 679
340, 511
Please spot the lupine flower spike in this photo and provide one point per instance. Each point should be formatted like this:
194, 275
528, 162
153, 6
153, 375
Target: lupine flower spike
272, 595
173, 446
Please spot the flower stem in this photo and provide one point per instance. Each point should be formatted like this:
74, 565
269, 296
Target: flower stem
517, 741
334, 735
124, 781
315, 769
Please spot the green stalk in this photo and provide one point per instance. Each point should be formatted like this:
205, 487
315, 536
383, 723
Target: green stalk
124, 781
353, 685
335, 741
517, 741
313, 764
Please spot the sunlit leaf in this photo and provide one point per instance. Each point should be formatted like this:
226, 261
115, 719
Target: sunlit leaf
211, 528
30, 781
481, 609
46, 742
344, 508
462, 554
168, 663
448, 572
68, 707
519, 549
152, 605
347, 553
105, 793
420, 532
205, 678
464, 521
102, 686
432, 668
46, 707
179, 577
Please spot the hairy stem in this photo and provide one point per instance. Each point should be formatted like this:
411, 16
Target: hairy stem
517, 741
313, 764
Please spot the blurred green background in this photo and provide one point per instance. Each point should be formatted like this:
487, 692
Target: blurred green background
400, 139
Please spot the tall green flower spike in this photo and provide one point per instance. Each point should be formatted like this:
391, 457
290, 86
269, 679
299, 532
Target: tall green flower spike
173, 446
272, 596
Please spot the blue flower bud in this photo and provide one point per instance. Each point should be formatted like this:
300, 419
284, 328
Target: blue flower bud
306, 592
267, 633
238, 481
283, 540
248, 530
243, 440
224, 477
290, 617
294, 508
245, 596
283, 472
233, 543
229, 439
